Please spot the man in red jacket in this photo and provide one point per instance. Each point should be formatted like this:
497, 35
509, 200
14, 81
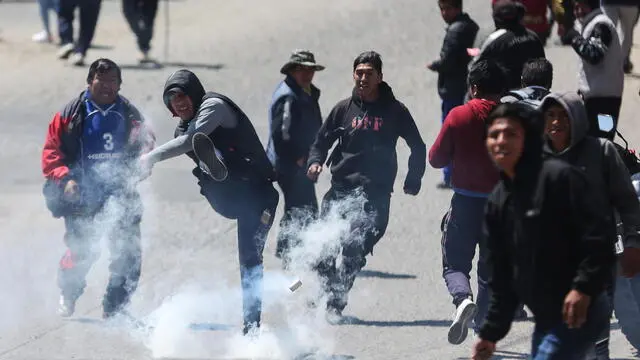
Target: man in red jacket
460, 144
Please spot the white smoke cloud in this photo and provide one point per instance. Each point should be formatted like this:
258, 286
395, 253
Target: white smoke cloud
290, 327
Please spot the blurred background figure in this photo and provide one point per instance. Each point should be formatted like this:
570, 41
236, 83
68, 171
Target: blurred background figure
89, 11
563, 14
140, 15
45, 6
624, 14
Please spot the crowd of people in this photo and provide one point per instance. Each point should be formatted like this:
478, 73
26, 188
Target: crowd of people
519, 158
140, 15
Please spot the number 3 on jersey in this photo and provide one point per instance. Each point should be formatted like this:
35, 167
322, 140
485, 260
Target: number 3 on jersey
108, 141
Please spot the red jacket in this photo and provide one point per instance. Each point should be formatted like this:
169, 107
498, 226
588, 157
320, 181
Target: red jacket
461, 144
62, 145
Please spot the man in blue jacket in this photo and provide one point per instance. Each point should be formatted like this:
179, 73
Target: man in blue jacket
294, 121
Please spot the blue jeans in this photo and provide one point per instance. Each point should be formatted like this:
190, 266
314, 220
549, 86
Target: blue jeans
462, 232
562, 343
627, 308
447, 105
45, 6
253, 206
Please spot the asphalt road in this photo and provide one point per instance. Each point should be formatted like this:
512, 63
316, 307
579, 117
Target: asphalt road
399, 308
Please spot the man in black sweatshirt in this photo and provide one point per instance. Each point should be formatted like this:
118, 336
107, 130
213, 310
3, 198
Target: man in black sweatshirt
549, 244
235, 176
367, 126
454, 59
511, 45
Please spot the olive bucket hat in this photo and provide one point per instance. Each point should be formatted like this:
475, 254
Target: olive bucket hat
301, 58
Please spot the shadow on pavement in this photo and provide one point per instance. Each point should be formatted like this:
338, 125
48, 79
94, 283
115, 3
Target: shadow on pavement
503, 355
209, 327
384, 275
157, 65
352, 320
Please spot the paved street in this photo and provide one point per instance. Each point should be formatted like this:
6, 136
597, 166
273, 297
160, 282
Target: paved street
399, 308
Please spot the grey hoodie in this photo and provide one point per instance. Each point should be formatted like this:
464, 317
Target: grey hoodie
602, 164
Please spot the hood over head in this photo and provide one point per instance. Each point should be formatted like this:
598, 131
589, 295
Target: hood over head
385, 94
532, 123
574, 105
187, 82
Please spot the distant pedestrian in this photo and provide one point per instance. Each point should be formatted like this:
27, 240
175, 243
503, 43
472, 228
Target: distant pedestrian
625, 13
140, 15
453, 62
89, 11
45, 6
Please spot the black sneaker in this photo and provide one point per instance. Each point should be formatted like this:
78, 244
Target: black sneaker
210, 162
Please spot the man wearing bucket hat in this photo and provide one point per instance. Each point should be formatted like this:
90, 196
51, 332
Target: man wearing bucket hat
294, 120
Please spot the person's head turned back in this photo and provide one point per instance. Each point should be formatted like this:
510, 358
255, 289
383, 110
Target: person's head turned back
103, 81
537, 72
367, 74
486, 79
450, 9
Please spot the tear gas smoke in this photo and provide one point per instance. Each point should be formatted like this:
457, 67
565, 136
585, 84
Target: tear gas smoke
290, 326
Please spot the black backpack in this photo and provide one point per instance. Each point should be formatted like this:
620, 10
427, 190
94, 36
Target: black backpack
531, 96
628, 156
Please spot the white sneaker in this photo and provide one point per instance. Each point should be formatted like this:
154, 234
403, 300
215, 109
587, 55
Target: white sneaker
42, 37
460, 328
76, 59
66, 306
65, 51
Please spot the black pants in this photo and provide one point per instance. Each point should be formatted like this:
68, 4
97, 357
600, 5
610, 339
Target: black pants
365, 233
253, 207
82, 239
300, 207
140, 15
89, 11
602, 105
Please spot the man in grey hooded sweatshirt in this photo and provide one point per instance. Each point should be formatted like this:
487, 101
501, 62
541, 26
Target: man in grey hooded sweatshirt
566, 128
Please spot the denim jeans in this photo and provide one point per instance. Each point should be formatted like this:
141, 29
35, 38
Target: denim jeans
253, 206
45, 6
562, 343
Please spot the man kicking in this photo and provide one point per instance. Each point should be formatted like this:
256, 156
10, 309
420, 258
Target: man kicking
235, 176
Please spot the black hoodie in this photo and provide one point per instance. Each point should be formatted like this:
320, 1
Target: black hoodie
243, 153
544, 237
367, 134
511, 45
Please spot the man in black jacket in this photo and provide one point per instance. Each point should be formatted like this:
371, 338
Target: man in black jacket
511, 45
454, 59
367, 126
549, 246
236, 176
294, 121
